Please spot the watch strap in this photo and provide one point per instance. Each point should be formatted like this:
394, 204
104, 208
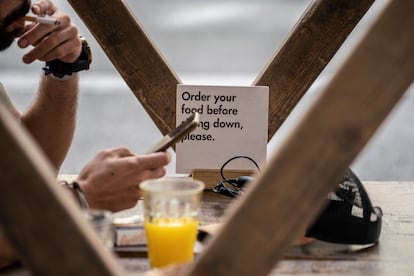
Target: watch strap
61, 69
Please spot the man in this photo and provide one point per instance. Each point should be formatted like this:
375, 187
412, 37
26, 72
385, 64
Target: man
110, 180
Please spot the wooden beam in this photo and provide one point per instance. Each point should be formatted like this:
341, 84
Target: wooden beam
312, 43
40, 219
134, 55
308, 163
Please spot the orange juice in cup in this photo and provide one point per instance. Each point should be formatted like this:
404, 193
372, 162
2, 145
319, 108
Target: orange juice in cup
170, 240
171, 207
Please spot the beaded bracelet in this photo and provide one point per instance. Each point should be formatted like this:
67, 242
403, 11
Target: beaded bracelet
77, 193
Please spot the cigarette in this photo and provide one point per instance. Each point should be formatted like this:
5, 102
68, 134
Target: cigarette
42, 20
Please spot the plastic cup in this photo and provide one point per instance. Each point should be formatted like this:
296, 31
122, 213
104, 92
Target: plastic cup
171, 208
101, 221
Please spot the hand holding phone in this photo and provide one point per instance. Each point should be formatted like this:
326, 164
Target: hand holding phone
176, 134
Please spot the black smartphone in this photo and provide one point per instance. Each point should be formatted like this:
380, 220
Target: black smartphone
176, 134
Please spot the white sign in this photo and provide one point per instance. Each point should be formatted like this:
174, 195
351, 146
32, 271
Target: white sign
234, 122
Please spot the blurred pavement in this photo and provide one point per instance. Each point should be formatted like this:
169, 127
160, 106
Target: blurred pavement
206, 42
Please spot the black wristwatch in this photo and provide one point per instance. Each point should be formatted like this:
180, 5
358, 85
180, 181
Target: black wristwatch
60, 69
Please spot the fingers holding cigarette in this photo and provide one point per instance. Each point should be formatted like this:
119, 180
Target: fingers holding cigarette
52, 35
51, 41
43, 7
42, 10
42, 20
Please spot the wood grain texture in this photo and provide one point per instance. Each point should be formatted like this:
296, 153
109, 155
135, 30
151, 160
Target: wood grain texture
391, 256
310, 46
39, 218
134, 55
308, 163
312, 43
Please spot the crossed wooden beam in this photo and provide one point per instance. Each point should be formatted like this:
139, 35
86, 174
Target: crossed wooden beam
292, 187
312, 43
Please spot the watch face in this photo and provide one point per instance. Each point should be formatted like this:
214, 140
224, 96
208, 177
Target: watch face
86, 50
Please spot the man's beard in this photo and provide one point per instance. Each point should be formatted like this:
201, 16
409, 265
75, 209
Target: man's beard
7, 38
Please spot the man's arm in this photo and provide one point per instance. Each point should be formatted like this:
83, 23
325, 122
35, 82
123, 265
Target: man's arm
51, 118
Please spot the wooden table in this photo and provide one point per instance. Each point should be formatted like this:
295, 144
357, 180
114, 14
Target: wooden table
393, 255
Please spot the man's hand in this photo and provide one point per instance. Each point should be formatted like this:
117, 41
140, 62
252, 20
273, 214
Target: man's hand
51, 42
111, 180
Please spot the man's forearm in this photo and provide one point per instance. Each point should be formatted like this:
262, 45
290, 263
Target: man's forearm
51, 118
